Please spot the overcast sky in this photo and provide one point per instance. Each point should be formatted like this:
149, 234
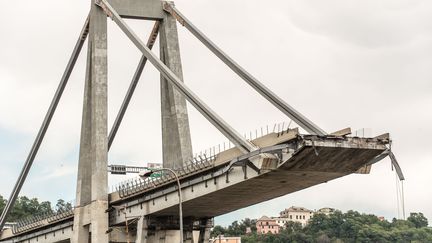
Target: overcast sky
359, 64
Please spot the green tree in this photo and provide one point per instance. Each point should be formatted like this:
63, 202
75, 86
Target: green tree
341, 227
2, 203
25, 207
293, 227
248, 223
418, 219
217, 230
63, 206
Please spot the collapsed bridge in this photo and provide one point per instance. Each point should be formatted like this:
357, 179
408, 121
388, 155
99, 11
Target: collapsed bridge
287, 162
146, 210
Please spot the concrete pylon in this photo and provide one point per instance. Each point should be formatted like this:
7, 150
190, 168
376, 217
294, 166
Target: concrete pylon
92, 185
142, 230
176, 139
204, 234
83, 191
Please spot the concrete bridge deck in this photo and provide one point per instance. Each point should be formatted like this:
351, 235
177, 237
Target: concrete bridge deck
229, 181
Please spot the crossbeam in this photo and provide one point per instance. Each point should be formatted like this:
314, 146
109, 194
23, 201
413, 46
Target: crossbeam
45, 124
132, 86
244, 145
288, 110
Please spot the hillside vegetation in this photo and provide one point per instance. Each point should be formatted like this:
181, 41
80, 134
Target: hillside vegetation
338, 227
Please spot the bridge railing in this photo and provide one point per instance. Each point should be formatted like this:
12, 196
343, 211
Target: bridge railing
32, 222
137, 185
280, 128
201, 161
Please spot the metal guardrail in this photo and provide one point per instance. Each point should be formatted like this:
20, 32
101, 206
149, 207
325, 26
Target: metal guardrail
201, 161
137, 185
278, 128
39, 220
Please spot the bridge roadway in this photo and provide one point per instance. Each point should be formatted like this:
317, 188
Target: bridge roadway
287, 162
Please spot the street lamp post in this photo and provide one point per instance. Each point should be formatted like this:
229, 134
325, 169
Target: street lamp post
149, 173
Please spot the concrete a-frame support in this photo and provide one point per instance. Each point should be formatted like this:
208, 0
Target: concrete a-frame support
83, 193
92, 182
176, 140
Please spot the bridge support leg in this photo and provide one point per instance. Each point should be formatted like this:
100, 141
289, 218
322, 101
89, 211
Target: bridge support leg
99, 129
204, 234
176, 140
141, 236
188, 236
92, 182
83, 193
160, 236
188, 230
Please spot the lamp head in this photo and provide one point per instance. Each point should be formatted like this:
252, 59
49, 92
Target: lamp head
145, 174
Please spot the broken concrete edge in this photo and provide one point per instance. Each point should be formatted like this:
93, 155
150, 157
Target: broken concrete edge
343, 132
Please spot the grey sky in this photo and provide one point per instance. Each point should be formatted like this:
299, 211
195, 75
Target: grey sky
362, 64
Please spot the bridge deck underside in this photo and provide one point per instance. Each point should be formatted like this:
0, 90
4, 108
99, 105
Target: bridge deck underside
304, 169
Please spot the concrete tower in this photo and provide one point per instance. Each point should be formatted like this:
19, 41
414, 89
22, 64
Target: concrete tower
176, 139
92, 183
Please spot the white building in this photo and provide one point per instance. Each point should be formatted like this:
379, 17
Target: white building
295, 214
281, 221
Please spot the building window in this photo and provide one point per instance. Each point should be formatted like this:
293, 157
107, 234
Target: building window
304, 217
296, 216
290, 216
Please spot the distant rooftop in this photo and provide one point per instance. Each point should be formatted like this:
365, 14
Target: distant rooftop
264, 218
297, 209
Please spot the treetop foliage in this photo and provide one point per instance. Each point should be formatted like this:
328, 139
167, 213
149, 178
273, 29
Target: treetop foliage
26, 207
338, 227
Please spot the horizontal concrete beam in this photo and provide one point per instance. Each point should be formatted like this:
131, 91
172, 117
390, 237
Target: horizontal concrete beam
138, 9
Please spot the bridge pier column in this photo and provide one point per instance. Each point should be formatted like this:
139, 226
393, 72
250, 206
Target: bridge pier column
188, 236
188, 230
160, 236
81, 232
204, 233
176, 140
92, 185
142, 230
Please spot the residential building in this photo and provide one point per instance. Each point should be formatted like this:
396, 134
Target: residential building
267, 225
297, 214
281, 221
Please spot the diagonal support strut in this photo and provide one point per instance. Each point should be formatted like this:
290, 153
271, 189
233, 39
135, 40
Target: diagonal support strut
244, 145
132, 85
45, 124
296, 116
